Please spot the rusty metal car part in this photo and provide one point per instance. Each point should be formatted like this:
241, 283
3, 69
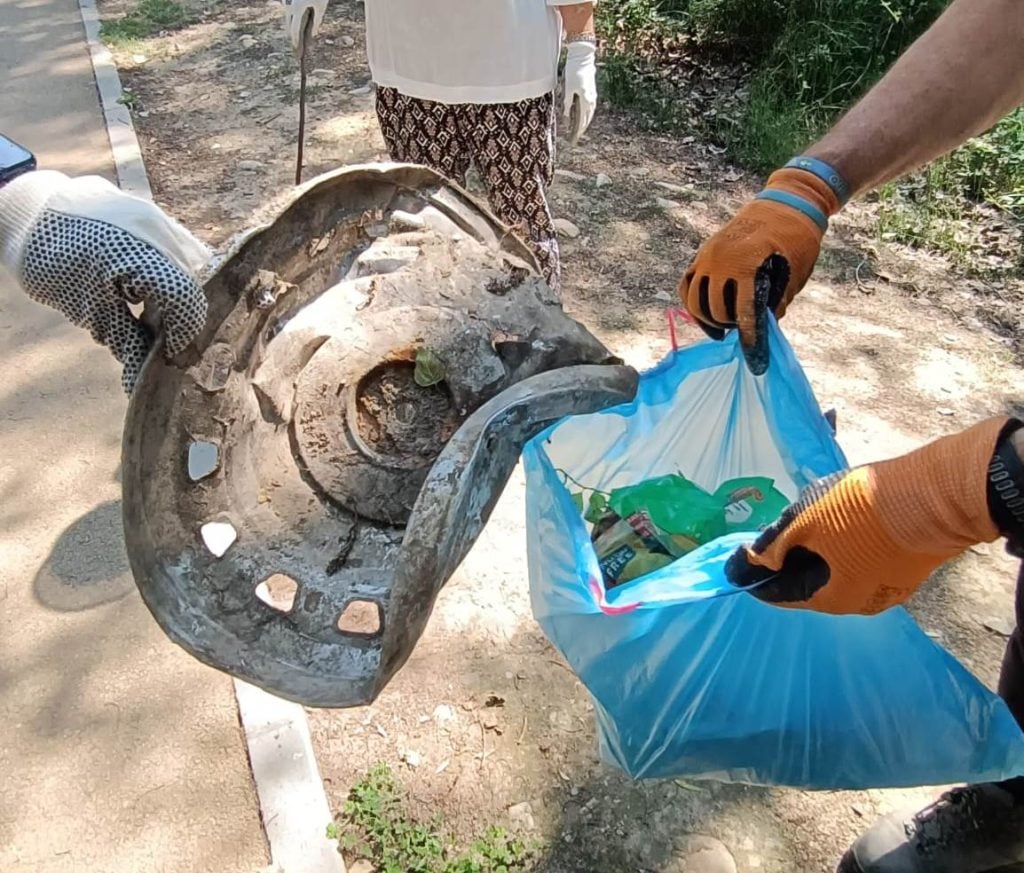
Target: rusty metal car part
299, 490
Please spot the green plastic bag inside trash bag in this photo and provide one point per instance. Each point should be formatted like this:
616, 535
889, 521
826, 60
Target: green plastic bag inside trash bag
676, 506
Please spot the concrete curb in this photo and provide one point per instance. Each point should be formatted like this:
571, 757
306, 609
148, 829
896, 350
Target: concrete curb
131, 172
293, 805
292, 800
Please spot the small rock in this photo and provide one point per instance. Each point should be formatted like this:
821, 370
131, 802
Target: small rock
665, 203
444, 765
564, 227
139, 59
663, 296
859, 810
247, 41
347, 41
360, 92
560, 719
522, 814
754, 862
981, 549
423, 719
443, 713
322, 71
413, 759
945, 410
574, 791
696, 853
361, 866
1002, 626
250, 166
569, 174
602, 180
673, 188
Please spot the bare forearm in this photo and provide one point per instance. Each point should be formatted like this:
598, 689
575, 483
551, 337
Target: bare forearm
959, 78
577, 18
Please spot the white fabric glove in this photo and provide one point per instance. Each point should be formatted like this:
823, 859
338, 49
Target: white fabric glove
88, 250
580, 82
295, 14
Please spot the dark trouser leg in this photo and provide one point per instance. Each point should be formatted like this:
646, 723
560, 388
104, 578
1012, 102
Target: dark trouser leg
514, 147
977, 829
1011, 680
422, 132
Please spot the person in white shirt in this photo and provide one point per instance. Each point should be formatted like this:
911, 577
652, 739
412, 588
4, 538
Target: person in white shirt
463, 82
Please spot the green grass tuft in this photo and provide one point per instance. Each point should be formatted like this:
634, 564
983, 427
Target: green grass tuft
149, 18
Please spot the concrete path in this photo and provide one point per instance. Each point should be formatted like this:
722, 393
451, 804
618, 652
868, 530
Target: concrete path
118, 752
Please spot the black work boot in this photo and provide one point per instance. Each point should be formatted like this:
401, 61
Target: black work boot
977, 829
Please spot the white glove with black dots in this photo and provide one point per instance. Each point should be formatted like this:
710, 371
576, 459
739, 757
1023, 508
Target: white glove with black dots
87, 249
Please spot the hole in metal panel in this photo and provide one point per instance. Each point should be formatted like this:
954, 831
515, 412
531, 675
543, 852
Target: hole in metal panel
361, 618
278, 592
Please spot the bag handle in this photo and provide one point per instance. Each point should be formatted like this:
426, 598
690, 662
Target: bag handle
672, 314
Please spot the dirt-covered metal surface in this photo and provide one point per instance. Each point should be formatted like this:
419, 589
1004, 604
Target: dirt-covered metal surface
297, 493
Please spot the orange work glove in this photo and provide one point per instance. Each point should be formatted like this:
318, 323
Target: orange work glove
864, 540
764, 255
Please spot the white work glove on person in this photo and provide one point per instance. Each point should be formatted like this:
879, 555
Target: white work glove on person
87, 249
295, 14
581, 84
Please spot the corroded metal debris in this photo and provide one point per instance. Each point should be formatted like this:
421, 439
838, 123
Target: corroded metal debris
299, 490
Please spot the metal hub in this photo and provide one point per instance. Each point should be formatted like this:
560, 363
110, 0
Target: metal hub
297, 492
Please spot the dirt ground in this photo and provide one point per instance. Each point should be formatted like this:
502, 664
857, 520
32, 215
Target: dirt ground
216, 113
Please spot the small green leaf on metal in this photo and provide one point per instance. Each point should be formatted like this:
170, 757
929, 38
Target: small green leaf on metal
429, 369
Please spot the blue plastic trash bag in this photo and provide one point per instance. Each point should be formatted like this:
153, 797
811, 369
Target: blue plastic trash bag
692, 677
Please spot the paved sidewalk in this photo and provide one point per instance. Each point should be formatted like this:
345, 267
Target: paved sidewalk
118, 752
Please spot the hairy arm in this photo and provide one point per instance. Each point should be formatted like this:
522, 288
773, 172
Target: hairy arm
959, 78
576, 17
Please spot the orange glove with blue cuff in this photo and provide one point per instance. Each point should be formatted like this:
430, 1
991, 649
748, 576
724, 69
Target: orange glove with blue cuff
764, 255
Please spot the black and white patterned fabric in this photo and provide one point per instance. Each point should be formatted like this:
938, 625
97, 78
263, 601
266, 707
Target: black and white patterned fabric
512, 145
90, 270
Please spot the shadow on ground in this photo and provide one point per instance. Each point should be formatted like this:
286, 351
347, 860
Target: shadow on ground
88, 566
